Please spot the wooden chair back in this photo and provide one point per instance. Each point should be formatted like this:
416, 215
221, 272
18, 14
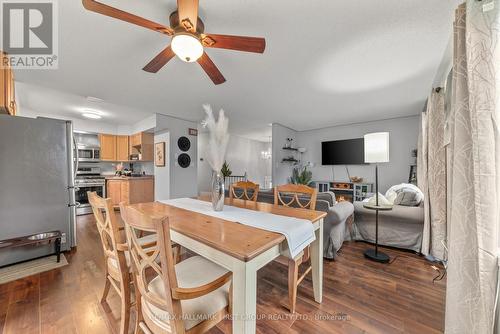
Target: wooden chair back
294, 190
145, 265
109, 232
245, 186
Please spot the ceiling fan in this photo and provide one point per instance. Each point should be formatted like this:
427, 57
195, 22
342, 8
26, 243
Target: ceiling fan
188, 37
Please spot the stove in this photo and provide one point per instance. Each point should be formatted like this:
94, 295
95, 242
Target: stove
88, 179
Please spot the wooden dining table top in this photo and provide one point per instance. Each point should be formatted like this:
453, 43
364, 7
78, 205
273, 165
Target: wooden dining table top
235, 239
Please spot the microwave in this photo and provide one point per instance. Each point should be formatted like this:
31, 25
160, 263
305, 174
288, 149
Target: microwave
89, 153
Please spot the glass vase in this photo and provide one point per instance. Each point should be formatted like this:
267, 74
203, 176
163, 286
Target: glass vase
217, 191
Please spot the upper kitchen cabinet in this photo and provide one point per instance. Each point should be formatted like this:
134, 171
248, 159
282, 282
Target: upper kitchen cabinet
108, 147
137, 147
122, 148
7, 89
141, 146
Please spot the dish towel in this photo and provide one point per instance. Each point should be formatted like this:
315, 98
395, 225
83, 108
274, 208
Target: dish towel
299, 233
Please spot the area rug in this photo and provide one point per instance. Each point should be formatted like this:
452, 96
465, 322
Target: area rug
28, 268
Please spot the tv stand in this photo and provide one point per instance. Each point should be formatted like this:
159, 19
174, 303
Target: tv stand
346, 191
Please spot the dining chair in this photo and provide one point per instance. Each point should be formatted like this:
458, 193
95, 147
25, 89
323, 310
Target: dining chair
116, 272
245, 186
191, 296
304, 197
117, 260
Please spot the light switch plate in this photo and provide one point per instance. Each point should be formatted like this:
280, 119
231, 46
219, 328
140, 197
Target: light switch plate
488, 6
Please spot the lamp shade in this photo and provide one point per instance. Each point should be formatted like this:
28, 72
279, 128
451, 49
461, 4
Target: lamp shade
377, 147
187, 47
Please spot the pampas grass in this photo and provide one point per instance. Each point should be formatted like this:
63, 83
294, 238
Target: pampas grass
218, 137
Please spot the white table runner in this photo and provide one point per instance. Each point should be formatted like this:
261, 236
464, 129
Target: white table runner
299, 233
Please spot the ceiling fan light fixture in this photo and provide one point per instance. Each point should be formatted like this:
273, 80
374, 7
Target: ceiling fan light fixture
187, 47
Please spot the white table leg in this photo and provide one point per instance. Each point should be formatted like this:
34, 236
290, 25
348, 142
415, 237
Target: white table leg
244, 298
317, 263
244, 279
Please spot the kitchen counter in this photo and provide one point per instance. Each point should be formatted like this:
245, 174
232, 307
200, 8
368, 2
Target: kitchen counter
113, 177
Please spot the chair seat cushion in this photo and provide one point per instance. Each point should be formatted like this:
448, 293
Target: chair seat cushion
192, 272
147, 239
113, 263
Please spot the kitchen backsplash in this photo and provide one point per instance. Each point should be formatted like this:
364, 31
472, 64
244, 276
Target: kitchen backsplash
108, 168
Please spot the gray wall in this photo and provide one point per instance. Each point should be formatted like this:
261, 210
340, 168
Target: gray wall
162, 174
281, 171
181, 182
243, 155
403, 134
403, 139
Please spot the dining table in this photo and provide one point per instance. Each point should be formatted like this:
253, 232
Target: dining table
240, 248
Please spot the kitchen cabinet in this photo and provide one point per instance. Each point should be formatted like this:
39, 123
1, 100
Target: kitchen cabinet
141, 146
7, 90
122, 148
130, 190
108, 147
135, 139
113, 191
137, 147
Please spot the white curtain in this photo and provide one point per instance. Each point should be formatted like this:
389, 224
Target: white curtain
475, 171
432, 175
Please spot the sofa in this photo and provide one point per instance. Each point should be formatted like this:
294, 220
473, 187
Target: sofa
401, 227
335, 229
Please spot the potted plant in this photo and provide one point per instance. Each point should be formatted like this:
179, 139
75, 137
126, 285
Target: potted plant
225, 170
301, 175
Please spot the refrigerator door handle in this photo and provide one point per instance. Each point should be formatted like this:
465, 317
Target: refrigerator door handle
72, 152
75, 157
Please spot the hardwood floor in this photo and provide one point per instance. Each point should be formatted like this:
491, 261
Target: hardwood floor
359, 296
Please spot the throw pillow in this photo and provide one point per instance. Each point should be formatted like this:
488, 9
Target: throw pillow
382, 200
405, 194
407, 198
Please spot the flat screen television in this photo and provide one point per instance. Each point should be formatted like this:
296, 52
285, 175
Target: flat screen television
343, 152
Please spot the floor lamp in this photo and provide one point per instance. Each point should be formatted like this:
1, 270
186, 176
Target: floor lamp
376, 151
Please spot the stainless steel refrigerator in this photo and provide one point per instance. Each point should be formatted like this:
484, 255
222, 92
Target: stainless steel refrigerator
37, 172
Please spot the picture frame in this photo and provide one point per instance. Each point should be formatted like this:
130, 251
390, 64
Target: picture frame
160, 154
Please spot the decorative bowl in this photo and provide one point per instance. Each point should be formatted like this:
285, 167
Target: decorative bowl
356, 179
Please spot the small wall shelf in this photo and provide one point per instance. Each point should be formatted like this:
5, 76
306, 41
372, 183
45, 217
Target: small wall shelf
290, 160
291, 148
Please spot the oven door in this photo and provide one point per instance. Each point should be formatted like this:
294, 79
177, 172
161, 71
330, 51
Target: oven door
81, 197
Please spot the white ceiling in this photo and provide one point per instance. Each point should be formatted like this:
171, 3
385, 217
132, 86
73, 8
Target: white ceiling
326, 63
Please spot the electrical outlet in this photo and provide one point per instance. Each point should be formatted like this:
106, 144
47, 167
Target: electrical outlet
63, 238
488, 6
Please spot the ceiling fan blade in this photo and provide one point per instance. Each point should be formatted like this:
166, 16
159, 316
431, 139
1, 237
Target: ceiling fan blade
209, 67
160, 60
240, 43
188, 14
103, 9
